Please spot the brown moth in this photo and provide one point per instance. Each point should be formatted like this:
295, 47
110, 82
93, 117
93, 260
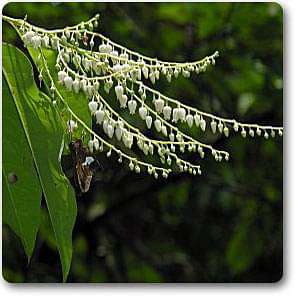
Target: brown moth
82, 169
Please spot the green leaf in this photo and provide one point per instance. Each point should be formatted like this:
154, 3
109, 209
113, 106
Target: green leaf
44, 133
77, 102
21, 186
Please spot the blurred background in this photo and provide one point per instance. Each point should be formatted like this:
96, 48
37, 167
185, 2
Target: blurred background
223, 226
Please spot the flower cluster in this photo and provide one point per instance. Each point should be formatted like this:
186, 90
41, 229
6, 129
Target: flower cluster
89, 63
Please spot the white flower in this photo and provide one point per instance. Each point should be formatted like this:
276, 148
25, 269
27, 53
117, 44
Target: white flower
251, 132
169, 77
76, 85
89, 90
119, 91
93, 105
186, 74
116, 54
27, 37
131, 166
176, 73
102, 48
164, 130
181, 113
172, 137
143, 112
179, 137
83, 84
117, 68
157, 124
105, 126
175, 115
36, 41
91, 146
266, 135
151, 149
167, 111
202, 124
110, 131
137, 169
61, 76
123, 101
96, 86
148, 121
156, 72
72, 125
145, 72
272, 133
159, 105
108, 85
99, 116
45, 41
119, 132
152, 77
197, 120
124, 56
68, 81
54, 42
132, 106
189, 120
258, 131
96, 144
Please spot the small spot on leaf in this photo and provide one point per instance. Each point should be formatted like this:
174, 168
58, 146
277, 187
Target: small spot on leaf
12, 178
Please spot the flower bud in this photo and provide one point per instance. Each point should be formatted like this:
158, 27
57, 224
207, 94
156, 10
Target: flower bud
236, 126
266, 135
213, 126
244, 133
226, 131
220, 127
